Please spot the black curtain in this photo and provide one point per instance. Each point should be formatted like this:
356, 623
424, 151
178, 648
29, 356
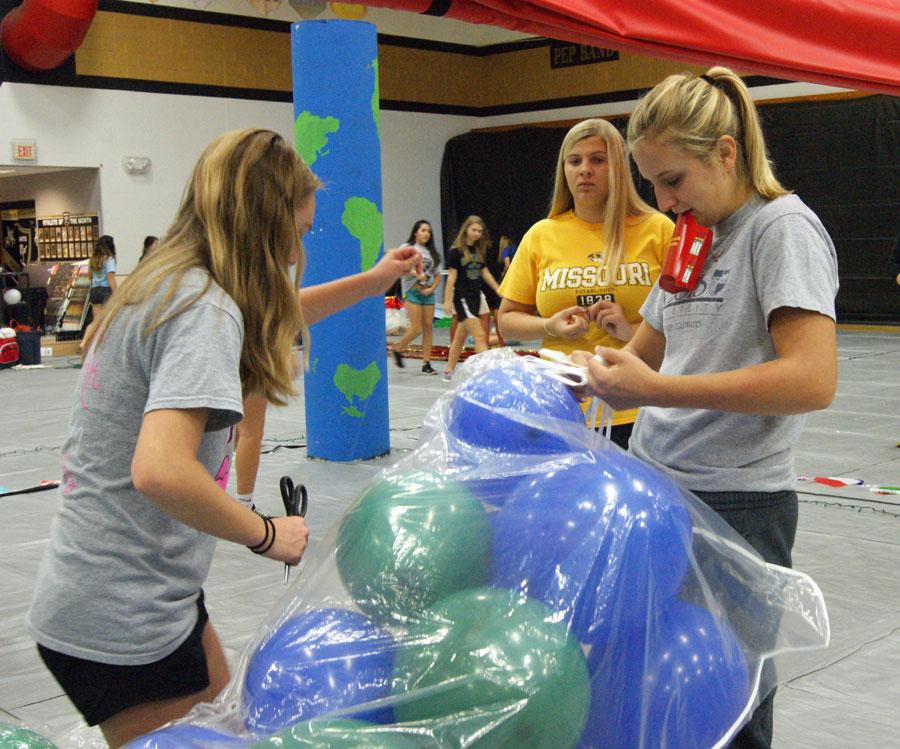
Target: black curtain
841, 157
505, 177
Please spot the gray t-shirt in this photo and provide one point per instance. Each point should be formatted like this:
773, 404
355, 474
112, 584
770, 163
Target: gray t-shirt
764, 256
120, 578
428, 270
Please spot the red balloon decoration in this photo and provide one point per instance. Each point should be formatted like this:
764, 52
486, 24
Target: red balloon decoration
41, 34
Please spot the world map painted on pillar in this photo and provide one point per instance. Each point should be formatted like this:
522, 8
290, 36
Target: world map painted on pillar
311, 135
356, 384
337, 133
375, 102
362, 219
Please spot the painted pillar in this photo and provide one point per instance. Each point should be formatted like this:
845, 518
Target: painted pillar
336, 129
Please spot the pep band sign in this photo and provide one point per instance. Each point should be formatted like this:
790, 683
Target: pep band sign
565, 55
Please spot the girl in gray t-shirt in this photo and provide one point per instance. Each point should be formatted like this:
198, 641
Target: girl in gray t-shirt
725, 373
418, 291
118, 610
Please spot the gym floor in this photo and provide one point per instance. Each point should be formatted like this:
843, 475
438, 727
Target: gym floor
849, 540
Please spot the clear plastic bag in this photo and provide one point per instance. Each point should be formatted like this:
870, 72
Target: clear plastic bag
18, 736
396, 320
516, 581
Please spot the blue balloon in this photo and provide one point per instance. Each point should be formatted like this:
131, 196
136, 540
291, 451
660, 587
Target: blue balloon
680, 681
483, 412
320, 661
600, 542
494, 490
185, 736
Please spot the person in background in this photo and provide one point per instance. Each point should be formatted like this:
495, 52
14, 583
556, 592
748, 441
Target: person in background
118, 607
496, 267
725, 374
466, 269
507, 248
579, 276
150, 244
418, 292
103, 273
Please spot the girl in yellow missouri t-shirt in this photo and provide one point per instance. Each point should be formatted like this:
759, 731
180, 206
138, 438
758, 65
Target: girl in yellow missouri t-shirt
580, 276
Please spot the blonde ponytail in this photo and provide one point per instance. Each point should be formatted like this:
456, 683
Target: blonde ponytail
692, 112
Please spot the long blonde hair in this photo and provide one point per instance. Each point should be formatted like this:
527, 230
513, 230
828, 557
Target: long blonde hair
622, 198
237, 222
481, 246
692, 112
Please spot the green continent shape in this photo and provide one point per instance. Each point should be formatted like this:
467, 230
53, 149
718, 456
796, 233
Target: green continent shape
376, 108
362, 219
356, 383
311, 135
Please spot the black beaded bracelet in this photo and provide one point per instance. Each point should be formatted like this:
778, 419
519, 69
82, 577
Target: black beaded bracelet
268, 540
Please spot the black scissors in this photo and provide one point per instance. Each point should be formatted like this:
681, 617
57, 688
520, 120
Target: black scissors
295, 501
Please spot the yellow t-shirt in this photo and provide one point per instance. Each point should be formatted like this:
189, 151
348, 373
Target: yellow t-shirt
558, 264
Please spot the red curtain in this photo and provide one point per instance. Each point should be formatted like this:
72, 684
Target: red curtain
849, 43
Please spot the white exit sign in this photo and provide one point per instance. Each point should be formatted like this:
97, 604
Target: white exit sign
24, 150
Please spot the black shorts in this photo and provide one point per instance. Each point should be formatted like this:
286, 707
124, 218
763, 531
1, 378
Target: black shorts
101, 690
99, 294
467, 306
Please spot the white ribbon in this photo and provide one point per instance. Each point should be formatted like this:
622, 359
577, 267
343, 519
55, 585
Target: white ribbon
558, 366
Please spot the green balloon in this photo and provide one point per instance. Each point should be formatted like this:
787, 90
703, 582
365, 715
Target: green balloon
492, 657
342, 733
410, 541
18, 737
